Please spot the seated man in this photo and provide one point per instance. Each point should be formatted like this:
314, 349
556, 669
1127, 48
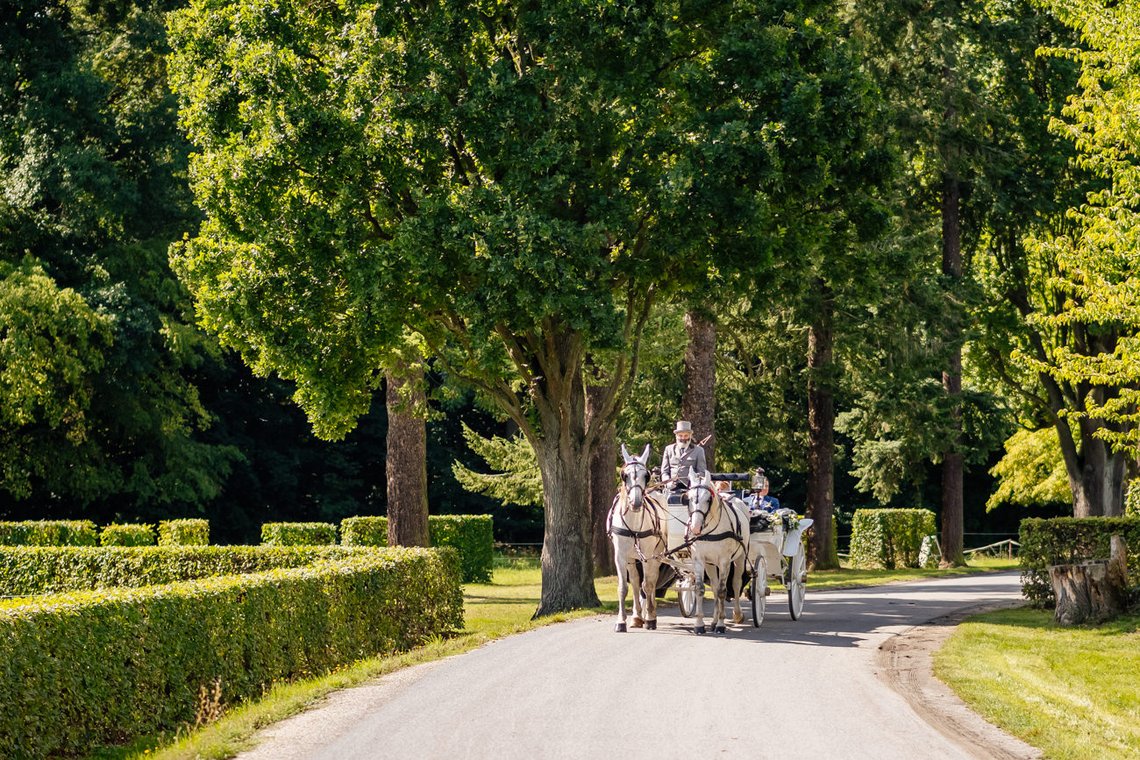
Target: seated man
759, 500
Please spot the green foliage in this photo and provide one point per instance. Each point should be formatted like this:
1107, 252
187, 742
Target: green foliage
97, 398
49, 533
127, 535
1032, 472
471, 535
1067, 540
51, 343
515, 478
185, 532
43, 570
1132, 499
91, 668
889, 538
1098, 265
298, 534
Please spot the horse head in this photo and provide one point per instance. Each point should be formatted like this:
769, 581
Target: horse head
700, 498
635, 475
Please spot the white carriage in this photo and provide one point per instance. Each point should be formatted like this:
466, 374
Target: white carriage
775, 552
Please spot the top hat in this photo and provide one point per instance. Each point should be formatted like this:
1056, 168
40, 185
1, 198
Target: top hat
683, 426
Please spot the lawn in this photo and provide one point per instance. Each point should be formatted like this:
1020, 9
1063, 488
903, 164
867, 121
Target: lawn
1072, 692
491, 610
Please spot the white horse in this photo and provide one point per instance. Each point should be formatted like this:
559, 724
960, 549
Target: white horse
719, 532
636, 525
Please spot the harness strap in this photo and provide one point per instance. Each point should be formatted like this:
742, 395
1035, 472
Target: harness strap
634, 533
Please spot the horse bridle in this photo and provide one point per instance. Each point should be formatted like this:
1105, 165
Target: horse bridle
635, 464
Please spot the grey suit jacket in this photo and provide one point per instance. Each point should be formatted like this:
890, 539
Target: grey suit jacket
676, 464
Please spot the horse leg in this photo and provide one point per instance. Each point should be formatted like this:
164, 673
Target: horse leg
699, 591
622, 576
652, 569
720, 589
638, 603
737, 570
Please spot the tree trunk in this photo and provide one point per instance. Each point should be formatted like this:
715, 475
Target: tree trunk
699, 402
563, 449
822, 551
603, 486
952, 465
407, 460
1096, 473
567, 555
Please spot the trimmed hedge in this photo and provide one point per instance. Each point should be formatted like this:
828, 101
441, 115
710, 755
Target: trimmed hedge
889, 538
189, 532
127, 535
27, 570
298, 534
472, 535
92, 668
1067, 540
49, 533
365, 531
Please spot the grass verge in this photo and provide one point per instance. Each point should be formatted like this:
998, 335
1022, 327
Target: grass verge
491, 610
1072, 692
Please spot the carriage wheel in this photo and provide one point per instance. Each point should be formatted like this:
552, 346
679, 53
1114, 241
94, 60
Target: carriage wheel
797, 584
759, 592
687, 600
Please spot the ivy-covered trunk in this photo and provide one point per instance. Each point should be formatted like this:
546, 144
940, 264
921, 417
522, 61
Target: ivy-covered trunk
822, 551
699, 402
406, 466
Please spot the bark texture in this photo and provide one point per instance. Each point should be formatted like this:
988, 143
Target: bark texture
699, 402
952, 464
406, 465
822, 551
603, 486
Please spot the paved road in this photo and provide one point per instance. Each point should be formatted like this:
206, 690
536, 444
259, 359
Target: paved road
790, 689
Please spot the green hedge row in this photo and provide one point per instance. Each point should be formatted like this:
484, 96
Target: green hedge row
298, 534
1067, 540
91, 668
472, 535
30, 570
127, 535
49, 533
190, 532
889, 538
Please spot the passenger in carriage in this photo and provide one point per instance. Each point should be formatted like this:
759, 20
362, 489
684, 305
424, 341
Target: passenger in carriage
759, 500
679, 457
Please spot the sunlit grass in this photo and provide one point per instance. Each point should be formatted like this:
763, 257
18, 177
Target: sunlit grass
1072, 692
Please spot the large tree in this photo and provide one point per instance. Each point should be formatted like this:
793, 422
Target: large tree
515, 182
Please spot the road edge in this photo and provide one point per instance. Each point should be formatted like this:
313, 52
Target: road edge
905, 663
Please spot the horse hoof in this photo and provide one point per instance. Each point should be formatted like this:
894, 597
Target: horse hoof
619, 628
718, 629
651, 625
738, 619
699, 630
638, 623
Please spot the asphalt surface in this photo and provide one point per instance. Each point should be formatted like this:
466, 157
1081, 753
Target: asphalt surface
790, 689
